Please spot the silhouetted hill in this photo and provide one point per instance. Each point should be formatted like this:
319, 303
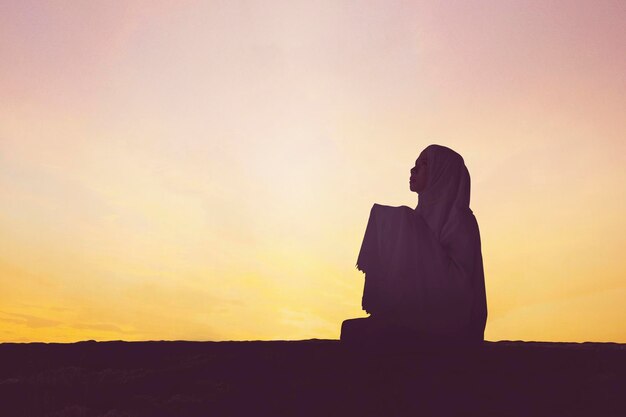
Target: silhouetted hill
310, 378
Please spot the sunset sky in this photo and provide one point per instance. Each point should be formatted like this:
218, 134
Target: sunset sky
205, 170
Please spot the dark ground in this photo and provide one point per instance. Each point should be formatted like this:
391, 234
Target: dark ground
310, 378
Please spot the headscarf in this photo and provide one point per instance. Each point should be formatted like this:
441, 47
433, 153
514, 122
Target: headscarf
447, 192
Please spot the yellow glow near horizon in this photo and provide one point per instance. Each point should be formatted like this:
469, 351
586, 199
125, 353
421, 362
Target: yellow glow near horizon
180, 170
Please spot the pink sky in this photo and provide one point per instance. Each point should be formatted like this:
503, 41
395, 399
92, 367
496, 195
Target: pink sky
204, 170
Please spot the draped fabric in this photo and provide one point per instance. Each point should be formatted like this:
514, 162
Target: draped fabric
423, 268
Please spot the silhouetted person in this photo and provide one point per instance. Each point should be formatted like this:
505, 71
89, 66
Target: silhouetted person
424, 278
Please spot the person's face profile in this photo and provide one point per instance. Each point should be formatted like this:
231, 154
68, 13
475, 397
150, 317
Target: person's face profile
419, 174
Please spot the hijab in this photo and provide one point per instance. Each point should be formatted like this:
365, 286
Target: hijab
446, 197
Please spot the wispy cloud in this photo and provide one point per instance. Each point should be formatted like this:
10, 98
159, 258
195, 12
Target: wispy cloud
29, 320
107, 327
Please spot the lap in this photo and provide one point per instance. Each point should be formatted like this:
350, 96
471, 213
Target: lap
370, 329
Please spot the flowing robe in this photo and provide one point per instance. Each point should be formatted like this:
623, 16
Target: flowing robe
433, 285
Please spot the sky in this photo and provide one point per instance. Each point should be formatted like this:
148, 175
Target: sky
205, 170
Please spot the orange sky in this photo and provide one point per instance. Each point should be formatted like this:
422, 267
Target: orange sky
205, 170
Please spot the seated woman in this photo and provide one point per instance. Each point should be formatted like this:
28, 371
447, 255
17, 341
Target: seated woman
424, 278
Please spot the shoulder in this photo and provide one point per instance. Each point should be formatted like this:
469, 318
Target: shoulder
461, 226
382, 207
